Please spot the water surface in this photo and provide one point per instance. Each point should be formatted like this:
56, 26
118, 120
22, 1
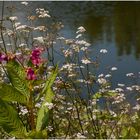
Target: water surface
114, 26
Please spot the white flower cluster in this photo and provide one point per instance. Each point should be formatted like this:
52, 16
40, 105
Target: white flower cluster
102, 81
14, 18
24, 3
103, 51
114, 68
49, 105
81, 29
39, 39
119, 98
85, 61
42, 13
130, 74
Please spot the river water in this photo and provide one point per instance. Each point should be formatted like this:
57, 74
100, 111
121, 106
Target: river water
114, 26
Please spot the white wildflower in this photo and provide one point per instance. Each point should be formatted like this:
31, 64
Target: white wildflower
68, 66
42, 13
121, 85
23, 111
137, 107
102, 81
129, 74
24, 3
84, 48
108, 75
82, 42
18, 53
61, 38
113, 113
38, 105
13, 18
49, 105
21, 27
50, 128
81, 80
80, 136
22, 45
86, 61
119, 90
103, 51
39, 39
40, 28
113, 68
129, 88
17, 24
119, 98
67, 52
101, 75
81, 29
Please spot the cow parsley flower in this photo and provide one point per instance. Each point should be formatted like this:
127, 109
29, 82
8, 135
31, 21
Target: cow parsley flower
86, 61
13, 18
103, 51
114, 68
24, 3
81, 29
129, 74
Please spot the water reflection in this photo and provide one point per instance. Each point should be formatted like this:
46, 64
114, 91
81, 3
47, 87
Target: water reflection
127, 28
116, 22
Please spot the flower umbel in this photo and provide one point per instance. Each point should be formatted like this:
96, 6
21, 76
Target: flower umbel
30, 74
35, 56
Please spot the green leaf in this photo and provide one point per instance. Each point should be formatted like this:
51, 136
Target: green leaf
17, 76
97, 95
10, 121
50, 80
37, 135
48, 83
9, 93
43, 113
110, 94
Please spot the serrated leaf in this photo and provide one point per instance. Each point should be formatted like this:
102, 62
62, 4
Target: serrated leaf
43, 113
48, 83
17, 77
9, 93
10, 121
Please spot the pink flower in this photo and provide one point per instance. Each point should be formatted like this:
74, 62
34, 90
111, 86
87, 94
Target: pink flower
3, 57
35, 56
30, 74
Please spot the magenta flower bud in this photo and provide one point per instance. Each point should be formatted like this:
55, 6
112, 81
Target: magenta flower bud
3, 57
35, 56
30, 74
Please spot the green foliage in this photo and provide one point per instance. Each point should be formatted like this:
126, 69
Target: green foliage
37, 135
10, 121
17, 76
43, 114
9, 93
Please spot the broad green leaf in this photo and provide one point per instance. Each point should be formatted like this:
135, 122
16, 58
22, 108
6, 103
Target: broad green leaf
48, 83
9, 93
17, 77
10, 121
43, 113
50, 80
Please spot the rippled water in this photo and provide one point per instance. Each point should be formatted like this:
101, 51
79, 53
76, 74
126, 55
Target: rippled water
114, 26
